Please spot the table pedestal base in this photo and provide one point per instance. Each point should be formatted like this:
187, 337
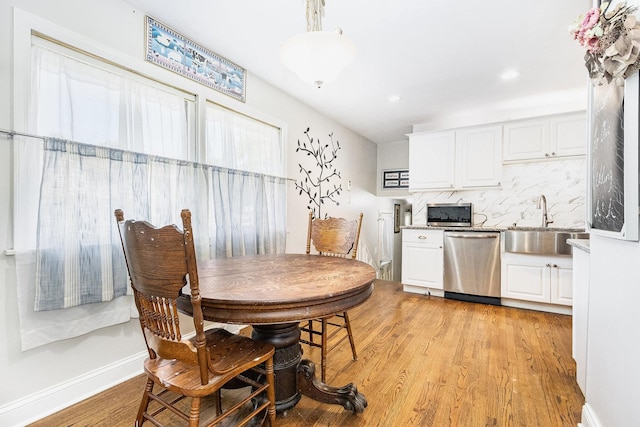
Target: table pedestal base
295, 377
347, 396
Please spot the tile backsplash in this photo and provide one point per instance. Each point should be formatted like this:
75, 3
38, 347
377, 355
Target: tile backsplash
563, 183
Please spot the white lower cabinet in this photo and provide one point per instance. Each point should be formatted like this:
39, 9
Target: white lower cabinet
537, 278
422, 261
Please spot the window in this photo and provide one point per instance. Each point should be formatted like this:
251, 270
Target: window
80, 98
127, 142
240, 142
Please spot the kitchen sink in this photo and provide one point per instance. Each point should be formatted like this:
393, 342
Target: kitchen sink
541, 241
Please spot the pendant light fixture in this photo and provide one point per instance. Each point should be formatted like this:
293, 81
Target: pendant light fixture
317, 56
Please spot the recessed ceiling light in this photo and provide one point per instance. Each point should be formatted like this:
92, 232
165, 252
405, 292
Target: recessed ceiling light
394, 98
509, 74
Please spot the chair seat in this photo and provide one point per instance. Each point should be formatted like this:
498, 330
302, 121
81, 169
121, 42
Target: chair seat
229, 352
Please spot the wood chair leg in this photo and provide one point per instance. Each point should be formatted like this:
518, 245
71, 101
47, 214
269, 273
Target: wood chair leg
218, 402
353, 344
323, 351
194, 413
271, 392
144, 403
309, 331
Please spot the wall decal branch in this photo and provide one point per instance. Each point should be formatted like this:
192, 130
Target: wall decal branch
316, 184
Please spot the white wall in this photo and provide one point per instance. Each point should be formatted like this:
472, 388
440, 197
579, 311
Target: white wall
521, 108
392, 156
613, 341
46, 378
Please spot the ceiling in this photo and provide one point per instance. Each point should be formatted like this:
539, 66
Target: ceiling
441, 57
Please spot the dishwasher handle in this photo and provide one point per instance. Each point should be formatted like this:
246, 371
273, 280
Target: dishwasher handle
473, 236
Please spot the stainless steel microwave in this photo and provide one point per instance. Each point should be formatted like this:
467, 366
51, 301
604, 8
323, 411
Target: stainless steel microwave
450, 214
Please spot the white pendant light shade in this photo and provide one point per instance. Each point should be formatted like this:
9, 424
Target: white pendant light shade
317, 57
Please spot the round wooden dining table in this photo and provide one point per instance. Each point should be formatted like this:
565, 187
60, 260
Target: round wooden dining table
273, 294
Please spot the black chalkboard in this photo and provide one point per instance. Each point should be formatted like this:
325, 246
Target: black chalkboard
607, 157
613, 185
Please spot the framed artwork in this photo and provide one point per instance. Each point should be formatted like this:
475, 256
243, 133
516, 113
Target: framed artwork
395, 179
612, 193
396, 218
171, 50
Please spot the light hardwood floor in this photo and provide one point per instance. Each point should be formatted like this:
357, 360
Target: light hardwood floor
423, 361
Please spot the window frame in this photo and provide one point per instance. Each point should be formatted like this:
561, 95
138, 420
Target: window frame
26, 25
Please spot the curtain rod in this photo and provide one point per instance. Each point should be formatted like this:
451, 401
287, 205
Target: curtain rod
11, 133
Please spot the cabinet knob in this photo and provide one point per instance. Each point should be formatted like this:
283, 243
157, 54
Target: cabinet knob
546, 154
553, 153
548, 265
422, 237
555, 265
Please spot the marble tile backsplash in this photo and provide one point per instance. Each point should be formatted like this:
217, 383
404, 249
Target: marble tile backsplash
563, 182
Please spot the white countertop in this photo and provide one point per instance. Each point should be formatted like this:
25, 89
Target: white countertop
582, 244
492, 228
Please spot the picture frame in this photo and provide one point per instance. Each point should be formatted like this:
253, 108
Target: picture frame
395, 179
396, 217
612, 158
169, 49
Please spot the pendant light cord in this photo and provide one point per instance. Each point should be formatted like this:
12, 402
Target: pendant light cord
315, 10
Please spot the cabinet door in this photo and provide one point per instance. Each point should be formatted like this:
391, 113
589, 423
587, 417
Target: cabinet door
422, 258
422, 265
561, 281
480, 156
431, 160
526, 139
568, 135
525, 277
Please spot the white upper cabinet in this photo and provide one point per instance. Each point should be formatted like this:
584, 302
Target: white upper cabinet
480, 155
568, 135
549, 137
455, 159
432, 160
526, 139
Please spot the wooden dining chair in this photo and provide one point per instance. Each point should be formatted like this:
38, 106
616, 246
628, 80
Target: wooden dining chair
336, 237
160, 262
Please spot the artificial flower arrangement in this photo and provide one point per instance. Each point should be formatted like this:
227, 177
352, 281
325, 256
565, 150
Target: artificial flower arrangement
612, 40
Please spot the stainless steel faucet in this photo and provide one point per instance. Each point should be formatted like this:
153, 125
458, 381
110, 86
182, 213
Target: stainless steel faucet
542, 204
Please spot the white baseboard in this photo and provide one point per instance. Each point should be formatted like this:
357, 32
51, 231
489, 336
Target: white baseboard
530, 305
46, 402
422, 290
589, 418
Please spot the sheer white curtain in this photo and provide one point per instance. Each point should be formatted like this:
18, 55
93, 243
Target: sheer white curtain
239, 142
105, 106
249, 209
249, 212
74, 99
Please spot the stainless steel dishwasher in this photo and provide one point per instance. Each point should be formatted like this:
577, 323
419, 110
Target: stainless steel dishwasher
472, 266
